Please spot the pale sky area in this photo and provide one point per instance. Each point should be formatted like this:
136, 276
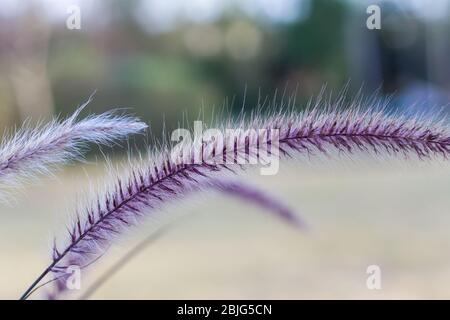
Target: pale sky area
164, 15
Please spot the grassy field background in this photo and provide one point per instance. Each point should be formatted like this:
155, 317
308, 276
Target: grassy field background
396, 217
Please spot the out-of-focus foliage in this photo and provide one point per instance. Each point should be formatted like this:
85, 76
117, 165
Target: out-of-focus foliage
167, 59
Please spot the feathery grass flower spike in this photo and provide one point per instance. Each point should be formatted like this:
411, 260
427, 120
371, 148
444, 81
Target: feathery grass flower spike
245, 192
326, 126
32, 151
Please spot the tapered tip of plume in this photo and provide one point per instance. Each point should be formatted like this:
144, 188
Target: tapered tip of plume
107, 128
261, 198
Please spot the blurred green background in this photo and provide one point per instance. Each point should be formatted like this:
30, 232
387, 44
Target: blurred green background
164, 59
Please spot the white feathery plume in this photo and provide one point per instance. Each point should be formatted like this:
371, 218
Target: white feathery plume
37, 150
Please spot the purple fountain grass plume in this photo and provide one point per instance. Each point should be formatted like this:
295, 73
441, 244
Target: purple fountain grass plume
32, 151
196, 165
234, 188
